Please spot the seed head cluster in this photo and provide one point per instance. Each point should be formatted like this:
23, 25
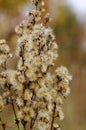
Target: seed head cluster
35, 91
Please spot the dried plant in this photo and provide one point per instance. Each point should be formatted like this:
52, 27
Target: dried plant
35, 91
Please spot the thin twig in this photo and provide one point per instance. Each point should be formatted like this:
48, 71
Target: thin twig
2, 124
17, 122
33, 121
53, 116
24, 123
25, 126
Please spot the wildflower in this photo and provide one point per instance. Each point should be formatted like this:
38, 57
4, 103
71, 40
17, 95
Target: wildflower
19, 102
37, 92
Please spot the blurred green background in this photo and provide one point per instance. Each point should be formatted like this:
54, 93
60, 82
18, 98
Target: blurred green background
70, 30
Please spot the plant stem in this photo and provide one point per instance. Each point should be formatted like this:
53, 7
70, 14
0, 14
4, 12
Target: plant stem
25, 127
53, 116
2, 124
24, 123
17, 122
33, 122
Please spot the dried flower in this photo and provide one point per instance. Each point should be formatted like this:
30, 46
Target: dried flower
35, 90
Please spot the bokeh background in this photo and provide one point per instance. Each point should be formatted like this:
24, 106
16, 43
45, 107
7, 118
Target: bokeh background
69, 25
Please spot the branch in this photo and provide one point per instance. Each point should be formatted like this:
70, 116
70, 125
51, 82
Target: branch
33, 121
24, 123
2, 124
53, 116
16, 119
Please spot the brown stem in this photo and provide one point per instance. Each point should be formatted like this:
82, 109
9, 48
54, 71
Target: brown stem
22, 54
33, 121
24, 127
53, 116
2, 124
24, 123
17, 122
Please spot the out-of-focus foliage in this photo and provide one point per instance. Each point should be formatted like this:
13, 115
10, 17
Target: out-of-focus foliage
11, 6
69, 31
70, 35
67, 27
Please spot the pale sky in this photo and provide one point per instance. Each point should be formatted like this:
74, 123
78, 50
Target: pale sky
78, 5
